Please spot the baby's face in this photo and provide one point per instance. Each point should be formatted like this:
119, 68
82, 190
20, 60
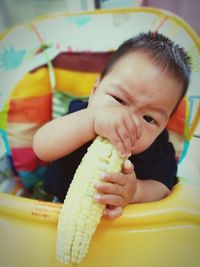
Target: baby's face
144, 89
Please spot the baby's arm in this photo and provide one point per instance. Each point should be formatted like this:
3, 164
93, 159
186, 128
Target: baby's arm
63, 135
119, 190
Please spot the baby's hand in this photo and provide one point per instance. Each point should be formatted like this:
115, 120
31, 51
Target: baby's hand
117, 190
120, 126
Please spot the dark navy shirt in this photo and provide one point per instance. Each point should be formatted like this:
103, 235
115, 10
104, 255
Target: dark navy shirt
158, 162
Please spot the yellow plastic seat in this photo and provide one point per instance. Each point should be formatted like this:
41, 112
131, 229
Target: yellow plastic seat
164, 233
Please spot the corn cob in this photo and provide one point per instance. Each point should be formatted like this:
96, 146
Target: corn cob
80, 214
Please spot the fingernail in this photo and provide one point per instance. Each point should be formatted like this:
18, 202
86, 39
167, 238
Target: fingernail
97, 185
128, 164
105, 212
97, 197
123, 155
102, 176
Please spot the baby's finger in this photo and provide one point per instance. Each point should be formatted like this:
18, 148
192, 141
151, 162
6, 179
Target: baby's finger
117, 142
113, 213
128, 167
138, 125
108, 199
124, 135
130, 126
109, 188
116, 178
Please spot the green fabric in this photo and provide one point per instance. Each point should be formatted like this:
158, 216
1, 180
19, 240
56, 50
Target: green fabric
61, 102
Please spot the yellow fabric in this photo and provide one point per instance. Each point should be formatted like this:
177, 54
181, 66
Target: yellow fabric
33, 84
75, 83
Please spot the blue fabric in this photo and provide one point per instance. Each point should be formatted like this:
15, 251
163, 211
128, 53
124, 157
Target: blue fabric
158, 162
30, 178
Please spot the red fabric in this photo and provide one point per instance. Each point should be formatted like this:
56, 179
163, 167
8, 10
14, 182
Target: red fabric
25, 159
177, 121
83, 61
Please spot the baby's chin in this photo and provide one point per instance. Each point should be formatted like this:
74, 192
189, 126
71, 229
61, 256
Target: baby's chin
138, 149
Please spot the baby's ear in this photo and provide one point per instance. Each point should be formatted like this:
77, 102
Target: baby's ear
96, 84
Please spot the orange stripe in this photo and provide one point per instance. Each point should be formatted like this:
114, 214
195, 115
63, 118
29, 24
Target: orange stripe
177, 121
34, 109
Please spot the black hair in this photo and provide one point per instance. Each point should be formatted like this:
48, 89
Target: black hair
164, 53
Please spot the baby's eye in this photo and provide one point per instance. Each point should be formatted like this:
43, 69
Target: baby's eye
149, 119
119, 100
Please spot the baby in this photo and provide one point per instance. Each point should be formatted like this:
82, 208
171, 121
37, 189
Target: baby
130, 104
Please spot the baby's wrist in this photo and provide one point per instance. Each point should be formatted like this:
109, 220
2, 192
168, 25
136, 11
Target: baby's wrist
91, 115
136, 196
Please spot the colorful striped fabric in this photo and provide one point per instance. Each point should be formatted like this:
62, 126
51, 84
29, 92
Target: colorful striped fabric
30, 106
45, 69
32, 103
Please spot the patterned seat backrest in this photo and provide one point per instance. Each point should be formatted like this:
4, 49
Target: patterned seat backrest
41, 71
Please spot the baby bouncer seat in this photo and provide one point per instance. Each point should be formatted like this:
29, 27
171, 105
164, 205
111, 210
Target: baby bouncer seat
44, 65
